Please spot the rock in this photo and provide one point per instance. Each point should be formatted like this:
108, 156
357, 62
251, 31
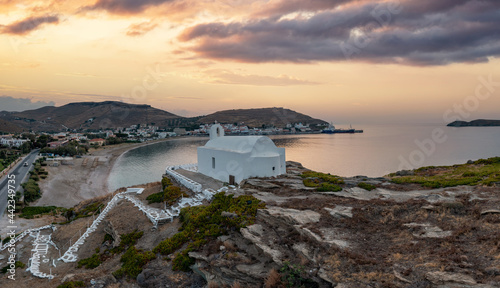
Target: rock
428, 231
198, 256
261, 184
248, 233
67, 277
229, 214
493, 271
110, 229
324, 276
405, 173
490, 211
447, 277
340, 211
298, 216
257, 270
141, 279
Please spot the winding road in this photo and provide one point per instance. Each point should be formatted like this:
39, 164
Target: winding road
20, 172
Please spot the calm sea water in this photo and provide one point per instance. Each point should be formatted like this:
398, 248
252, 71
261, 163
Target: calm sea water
381, 149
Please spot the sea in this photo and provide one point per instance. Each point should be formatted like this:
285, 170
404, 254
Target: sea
380, 150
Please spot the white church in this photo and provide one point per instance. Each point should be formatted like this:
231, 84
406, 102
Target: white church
235, 158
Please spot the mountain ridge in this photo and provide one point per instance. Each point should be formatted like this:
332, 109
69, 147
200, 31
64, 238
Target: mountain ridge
113, 114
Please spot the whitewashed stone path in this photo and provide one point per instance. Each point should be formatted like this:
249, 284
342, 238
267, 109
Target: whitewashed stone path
42, 240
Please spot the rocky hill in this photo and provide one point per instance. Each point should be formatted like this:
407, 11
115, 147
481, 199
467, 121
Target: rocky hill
278, 117
111, 114
475, 123
90, 115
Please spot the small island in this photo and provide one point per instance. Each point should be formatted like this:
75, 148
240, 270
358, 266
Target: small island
475, 123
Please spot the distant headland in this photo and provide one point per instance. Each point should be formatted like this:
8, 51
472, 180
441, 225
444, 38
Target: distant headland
475, 123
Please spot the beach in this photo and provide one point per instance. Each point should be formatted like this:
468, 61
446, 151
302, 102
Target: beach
81, 178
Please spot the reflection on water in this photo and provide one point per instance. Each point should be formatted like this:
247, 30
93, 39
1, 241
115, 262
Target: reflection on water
378, 151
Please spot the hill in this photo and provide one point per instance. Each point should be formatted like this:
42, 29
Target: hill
112, 114
278, 117
475, 123
7, 126
91, 115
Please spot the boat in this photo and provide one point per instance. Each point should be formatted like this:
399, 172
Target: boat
331, 130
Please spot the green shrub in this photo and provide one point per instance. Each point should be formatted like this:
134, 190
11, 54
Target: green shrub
18, 264
72, 284
367, 186
126, 240
91, 262
311, 182
30, 211
170, 195
165, 181
132, 262
328, 187
294, 276
182, 261
333, 179
202, 223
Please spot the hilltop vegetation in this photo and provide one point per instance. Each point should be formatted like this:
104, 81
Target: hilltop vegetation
481, 172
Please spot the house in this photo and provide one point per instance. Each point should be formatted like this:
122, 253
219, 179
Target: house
57, 144
180, 131
235, 158
11, 142
98, 141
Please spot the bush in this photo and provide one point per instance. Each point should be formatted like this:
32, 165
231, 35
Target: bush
30, 211
201, 223
165, 182
132, 262
18, 264
328, 187
72, 284
366, 186
294, 276
91, 262
126, 240
170, 195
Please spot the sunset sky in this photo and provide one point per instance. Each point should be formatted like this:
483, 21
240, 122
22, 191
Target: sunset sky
347, 61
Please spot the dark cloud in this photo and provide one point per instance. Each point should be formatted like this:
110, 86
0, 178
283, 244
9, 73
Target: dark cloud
21, 104
423, 32
29, 24
125, 6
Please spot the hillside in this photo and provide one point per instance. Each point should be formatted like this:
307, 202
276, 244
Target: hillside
475, 123
302, 229
111, 114
278, 117
91, 115
7, 126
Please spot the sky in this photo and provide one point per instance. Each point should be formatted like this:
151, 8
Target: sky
346, 61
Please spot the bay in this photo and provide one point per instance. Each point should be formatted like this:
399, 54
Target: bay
380, 150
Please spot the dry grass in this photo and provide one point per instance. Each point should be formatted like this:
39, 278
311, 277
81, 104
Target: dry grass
273, 280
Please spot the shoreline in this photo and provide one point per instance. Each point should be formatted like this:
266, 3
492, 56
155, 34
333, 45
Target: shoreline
83, 178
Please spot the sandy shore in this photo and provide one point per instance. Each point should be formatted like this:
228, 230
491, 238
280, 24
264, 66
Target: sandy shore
82, 178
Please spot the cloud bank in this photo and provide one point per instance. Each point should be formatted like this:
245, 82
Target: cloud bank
21, 104
411, 32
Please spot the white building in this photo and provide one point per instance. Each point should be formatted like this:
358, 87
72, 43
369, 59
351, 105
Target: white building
235, 158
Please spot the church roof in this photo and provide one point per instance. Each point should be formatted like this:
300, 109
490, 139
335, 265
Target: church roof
260, 145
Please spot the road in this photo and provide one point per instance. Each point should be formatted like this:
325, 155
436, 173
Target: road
20, 172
